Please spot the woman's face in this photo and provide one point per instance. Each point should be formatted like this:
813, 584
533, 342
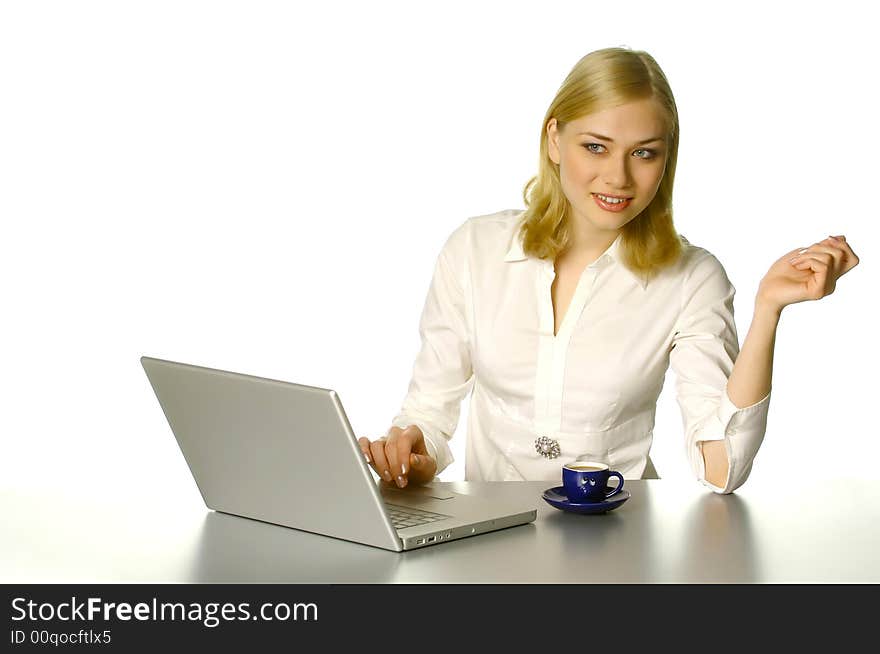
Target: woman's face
624, 156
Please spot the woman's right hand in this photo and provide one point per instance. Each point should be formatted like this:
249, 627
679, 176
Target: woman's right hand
400, 457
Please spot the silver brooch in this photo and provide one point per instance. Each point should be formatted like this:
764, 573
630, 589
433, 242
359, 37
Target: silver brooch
547, 447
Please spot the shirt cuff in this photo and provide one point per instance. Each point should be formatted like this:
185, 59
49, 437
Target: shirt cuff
435, 443
742, 430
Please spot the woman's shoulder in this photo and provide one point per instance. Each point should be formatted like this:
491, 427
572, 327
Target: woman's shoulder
698, 265
499, 222
484, 233
693, 255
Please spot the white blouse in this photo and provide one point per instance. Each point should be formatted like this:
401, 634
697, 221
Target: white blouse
487, 325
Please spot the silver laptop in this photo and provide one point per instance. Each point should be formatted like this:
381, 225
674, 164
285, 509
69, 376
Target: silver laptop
285, 453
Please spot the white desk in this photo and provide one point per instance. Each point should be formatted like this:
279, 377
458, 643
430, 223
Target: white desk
668, 532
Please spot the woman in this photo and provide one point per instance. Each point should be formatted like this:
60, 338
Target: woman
564, 318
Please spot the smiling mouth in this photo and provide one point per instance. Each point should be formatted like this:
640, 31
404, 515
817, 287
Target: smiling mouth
611, 205
613, 197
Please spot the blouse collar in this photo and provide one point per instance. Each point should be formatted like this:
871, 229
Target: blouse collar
611, 255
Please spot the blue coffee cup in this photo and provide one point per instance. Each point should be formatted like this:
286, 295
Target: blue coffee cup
587, 481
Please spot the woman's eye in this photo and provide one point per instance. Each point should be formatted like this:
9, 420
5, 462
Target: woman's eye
650, 153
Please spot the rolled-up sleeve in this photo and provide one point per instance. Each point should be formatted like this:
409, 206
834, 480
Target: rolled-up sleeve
442, 373
704, 349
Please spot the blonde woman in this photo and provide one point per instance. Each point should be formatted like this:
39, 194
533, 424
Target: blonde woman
564, 318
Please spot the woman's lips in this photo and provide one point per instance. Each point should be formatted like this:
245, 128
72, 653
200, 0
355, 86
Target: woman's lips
620, 206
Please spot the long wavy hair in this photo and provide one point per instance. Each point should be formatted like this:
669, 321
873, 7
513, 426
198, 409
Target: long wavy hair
600, 80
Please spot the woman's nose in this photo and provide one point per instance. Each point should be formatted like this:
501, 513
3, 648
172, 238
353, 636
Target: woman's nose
617, 173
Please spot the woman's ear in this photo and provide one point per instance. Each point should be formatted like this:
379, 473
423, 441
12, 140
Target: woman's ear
553, 141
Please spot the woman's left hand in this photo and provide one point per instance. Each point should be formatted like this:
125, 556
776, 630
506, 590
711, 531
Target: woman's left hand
808, 275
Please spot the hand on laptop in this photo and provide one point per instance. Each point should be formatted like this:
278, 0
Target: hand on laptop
400, 457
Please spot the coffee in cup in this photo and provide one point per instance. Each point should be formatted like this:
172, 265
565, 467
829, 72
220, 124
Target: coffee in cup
587, 481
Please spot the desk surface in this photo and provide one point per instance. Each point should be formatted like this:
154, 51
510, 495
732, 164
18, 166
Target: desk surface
667, 532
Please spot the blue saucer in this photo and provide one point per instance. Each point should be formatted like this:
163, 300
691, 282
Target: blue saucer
557, 498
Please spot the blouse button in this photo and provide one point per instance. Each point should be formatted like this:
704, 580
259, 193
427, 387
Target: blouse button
547, 447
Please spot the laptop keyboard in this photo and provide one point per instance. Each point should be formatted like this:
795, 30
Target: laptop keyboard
406, 516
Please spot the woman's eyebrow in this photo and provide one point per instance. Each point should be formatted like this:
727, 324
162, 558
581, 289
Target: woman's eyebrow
610, 140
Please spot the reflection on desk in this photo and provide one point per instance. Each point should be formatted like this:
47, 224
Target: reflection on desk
668, 532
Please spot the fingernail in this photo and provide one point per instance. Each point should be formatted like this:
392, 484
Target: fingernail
403, 468
367, 457
401, 482
387, 476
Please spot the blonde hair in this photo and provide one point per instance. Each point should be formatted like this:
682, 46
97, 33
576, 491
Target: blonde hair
600, 80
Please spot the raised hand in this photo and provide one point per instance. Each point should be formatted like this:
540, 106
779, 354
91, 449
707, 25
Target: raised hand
807, 273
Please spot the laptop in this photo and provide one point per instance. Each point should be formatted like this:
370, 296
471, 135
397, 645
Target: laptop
285, 453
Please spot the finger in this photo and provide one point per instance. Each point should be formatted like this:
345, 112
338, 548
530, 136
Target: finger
413, 435
829, 245
364, 444
837, 247
831, 256
852, 258
376, 465
813, 261
792, 253
423, 468
403, 449
391, 456
422, 463
818, 266
390, 452
380, 463
824, 283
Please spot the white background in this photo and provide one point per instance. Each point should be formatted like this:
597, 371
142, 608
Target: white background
264, 187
